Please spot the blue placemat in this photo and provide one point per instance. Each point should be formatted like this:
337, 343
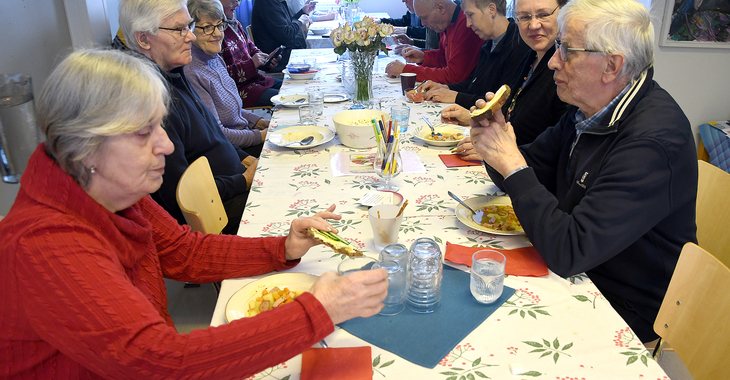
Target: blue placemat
425, 339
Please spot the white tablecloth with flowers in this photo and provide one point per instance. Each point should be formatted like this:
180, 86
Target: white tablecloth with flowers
552, 328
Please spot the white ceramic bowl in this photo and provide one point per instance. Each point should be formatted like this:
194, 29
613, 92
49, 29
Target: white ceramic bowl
319, 30
355, 127
302, 76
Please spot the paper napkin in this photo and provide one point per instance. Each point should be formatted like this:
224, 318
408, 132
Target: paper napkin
520, 262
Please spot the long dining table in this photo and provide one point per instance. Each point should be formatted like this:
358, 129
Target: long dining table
550, 328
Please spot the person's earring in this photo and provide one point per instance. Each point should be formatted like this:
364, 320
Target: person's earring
92, 170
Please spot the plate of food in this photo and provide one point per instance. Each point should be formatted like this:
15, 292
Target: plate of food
267, 293
304, 75
450, 134
335, 98
495, 215
288, 137
290, 101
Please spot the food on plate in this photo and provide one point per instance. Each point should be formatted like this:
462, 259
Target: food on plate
333, 241
500, 97
498, 217
269, 299
445, 137
415, 96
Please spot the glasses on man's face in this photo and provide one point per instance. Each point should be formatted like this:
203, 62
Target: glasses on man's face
564, 50
183, 31
540, 17
208, 29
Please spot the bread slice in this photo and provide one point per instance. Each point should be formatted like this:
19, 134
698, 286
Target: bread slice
333, 241
500, 97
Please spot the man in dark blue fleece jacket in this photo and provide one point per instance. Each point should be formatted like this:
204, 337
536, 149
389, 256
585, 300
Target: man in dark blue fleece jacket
611, 189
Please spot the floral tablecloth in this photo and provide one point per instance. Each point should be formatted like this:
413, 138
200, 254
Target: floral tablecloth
552, 328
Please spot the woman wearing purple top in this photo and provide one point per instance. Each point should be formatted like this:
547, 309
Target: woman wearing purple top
209, 77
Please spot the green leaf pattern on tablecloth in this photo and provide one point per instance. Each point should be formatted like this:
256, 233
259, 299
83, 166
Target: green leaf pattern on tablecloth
460, 357
545, 348
525, 303
377, 367
594, 296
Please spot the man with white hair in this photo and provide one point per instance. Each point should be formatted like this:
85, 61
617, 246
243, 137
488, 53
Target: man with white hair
458, 50
611, 189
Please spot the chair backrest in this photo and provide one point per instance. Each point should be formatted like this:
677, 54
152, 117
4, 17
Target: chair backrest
250, 35
713, 211
693, 315
198, 198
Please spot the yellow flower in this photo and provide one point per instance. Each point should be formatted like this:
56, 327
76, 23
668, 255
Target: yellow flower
337, 36
385, 30
372, 31
362, 37
350, 37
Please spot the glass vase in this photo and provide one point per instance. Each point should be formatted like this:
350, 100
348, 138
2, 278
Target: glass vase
362, 64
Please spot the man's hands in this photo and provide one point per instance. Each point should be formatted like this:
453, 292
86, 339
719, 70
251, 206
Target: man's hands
309, 6
455, 114
394, 68
298, 242
413, 54
443, 95
494, 140
250, 163
304, 19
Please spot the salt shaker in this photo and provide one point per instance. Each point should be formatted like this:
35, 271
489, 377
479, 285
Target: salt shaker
425, 272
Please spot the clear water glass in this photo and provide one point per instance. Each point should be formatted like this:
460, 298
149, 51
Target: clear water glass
395, 252
487, 275
316, 100
307, 114
425, 273
395, 300
400, 114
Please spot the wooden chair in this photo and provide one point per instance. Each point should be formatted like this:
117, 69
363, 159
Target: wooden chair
713, 211
693, 315
198, 198
250, 35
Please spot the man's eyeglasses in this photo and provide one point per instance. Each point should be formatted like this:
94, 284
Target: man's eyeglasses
540, 17
564, 50
183, 31
208, 29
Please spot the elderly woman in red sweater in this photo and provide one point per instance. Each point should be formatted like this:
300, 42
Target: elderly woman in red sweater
85, 249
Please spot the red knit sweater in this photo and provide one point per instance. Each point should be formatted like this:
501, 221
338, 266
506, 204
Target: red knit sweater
456, 57
83, 294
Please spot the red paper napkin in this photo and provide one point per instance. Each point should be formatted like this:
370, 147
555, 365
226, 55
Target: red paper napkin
341, 363
520, 262
455, 161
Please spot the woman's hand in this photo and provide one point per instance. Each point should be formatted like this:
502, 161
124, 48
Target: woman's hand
262, 124
259, 59
358, 294
455, 114
443, 95
413, 54
467, 151
495, 141
298, 242
430, 85
250, 170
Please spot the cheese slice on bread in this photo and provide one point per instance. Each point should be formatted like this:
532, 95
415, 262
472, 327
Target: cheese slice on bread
333, 241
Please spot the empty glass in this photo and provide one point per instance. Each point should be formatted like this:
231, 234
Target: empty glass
394, 301
395, 252
425, 272
316, 99
307, 115
355, 264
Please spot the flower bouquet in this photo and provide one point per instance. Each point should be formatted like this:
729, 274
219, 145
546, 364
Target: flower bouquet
363, 39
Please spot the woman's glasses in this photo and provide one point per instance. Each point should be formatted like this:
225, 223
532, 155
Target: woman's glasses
209, 29
540, 17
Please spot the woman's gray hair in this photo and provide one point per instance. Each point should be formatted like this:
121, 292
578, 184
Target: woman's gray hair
94, 94
211, 8
614, 26
145, 16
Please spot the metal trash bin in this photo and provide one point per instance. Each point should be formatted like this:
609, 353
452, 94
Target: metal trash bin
19, 133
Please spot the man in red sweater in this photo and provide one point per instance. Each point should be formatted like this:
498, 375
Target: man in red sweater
458, 50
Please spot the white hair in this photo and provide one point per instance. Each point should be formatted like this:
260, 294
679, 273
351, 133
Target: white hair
211, 8
145, 16
614, 26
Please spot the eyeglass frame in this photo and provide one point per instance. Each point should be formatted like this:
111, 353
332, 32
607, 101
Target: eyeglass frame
183, 31
221, 26
564, 50
541, 17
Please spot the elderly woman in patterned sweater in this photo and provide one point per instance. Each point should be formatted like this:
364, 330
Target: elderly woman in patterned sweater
209, 77
85, 249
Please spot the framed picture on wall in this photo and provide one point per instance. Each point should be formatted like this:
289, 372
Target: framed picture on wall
696, 23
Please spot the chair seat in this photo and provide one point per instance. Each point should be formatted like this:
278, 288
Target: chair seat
717, 144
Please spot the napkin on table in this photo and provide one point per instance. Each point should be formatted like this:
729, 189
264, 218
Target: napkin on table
425, 339
455, 161
351, 363
520, 262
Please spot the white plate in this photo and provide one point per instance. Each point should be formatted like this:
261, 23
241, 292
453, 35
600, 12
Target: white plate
283, 136
288, 101
465, 216
237, 306
422, 131
335, 98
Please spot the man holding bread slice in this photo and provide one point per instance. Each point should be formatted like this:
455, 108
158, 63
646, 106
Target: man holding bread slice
611, 189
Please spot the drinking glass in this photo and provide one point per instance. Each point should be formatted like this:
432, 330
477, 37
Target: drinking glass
487, 275
425, 274
386, 222
316, 99
395, 300
355, 264
395, 252
400, 114
388, 164
307, 115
